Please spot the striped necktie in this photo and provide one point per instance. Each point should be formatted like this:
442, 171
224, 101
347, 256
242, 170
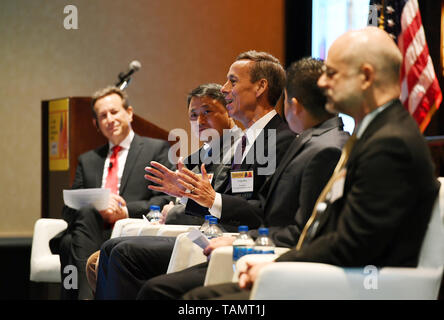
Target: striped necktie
237, 159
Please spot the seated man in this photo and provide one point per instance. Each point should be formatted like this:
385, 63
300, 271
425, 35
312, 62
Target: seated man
208, 117
206, 110
289, 195
119, 166
255, 84
376, 207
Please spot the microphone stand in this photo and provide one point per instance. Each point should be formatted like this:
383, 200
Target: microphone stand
123, 82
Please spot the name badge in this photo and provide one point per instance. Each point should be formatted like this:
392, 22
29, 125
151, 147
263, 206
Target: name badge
242, 181
337, 189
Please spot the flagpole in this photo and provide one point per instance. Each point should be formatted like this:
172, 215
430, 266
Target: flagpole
382, 18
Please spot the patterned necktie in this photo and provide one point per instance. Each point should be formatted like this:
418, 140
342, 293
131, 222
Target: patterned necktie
237, 160
324, 198
112, 180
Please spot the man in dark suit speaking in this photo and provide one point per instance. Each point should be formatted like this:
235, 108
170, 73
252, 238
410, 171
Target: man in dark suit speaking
118, 165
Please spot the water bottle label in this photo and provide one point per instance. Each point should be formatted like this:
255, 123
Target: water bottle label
264, 251
241, 251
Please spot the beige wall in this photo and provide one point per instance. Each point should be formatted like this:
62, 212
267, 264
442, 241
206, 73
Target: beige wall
180, 43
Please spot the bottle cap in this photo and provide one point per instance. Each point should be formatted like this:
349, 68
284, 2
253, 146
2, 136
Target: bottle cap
153, 207
263, 231
213, 220
242, 228
208, 216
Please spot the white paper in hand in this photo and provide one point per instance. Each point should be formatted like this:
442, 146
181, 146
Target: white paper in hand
198, 238
78, 198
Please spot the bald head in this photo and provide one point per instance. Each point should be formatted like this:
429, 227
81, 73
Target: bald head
373, 46
362, 72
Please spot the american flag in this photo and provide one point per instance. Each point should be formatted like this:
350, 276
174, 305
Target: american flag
420, 91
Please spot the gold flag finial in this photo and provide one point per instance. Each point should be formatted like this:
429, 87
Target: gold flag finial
381, 17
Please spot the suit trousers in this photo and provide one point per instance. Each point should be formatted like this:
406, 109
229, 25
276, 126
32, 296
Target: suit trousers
224, 291
85, 235
174, 285
126, 263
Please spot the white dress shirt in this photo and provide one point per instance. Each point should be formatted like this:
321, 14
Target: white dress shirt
252, 133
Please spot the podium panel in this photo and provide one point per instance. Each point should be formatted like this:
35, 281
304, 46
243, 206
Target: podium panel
67, 132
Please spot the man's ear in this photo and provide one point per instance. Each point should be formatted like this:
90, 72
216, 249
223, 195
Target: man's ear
262, 85
129, 110
368, 75
95, 124
296, 106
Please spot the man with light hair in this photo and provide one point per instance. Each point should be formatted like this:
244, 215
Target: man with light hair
119, 166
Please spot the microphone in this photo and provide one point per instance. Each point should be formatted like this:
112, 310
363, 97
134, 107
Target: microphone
124, 79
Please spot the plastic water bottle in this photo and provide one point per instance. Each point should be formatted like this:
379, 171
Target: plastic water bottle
154, 214
206, 223
242, 245
213, 230
263, 244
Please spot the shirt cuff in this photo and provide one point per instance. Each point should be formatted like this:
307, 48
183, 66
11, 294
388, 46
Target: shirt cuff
126, 211
182, 200
216, 209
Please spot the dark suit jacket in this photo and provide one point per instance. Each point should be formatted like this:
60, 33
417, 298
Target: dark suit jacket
218, 168
288, 196
386, 205
195, 216
133, 186
284, 136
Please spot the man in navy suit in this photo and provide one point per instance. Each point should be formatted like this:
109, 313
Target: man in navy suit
122, 171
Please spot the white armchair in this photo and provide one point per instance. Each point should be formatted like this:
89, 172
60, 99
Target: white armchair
129, 227
186, 254
140, 227
220, 268
45, 266
296, 280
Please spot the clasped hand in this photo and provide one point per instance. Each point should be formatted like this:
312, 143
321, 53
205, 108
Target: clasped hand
199, 187
248, 271
183, 183
116, 209
166, 179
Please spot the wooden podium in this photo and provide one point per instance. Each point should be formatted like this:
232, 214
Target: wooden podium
67, 132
